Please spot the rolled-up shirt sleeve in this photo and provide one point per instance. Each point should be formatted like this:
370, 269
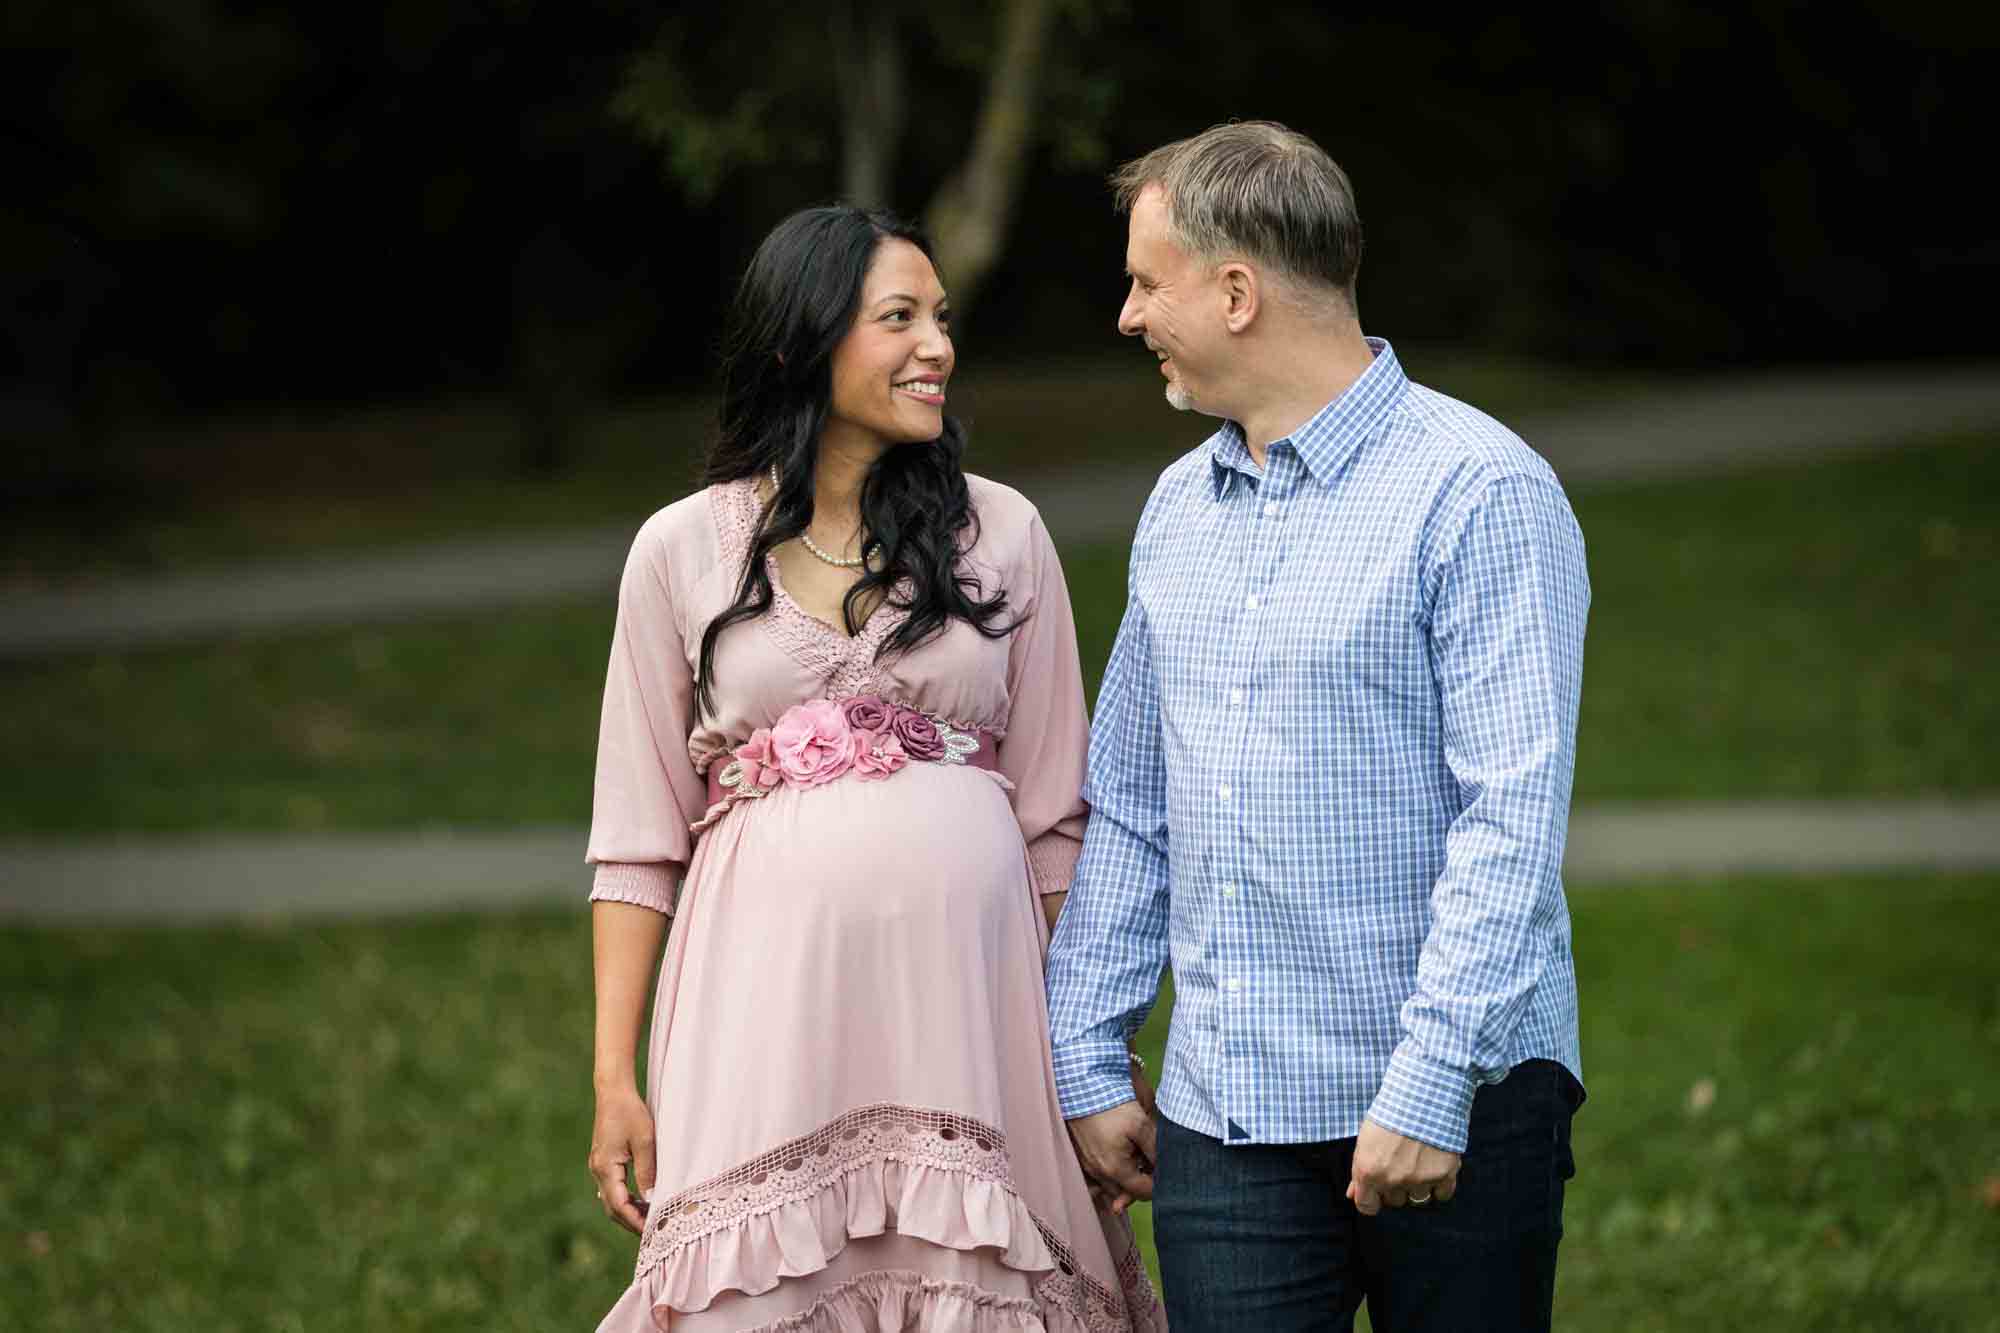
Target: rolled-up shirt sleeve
1509, 601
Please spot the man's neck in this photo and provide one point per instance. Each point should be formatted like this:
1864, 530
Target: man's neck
1300, 374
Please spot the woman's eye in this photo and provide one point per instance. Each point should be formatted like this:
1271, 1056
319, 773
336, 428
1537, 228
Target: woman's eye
903, 315
944, 318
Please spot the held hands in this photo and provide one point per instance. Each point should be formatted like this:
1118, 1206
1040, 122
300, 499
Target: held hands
1116, 1148
621, 1135
1390, 1171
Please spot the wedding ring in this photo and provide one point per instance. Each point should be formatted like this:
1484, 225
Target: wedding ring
1420, 1198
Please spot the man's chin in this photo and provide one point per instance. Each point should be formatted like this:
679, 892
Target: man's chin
1179, 398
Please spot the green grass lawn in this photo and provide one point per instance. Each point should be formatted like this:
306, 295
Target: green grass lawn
382, 1126
1824, 630
260, 486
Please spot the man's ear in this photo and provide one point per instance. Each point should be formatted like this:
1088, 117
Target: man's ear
1242, 295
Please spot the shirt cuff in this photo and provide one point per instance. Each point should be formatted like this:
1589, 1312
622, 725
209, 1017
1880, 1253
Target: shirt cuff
1424, 1100
651, 884
1092, 1075
1052, 860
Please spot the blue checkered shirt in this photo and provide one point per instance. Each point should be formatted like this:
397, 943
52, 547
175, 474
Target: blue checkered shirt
1330, 778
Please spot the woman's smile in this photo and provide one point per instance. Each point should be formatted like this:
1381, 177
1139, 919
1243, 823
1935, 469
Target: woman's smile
928, 389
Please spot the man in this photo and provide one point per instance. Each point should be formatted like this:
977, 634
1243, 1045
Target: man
1329, 780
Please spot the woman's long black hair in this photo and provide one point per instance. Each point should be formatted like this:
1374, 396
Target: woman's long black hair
798, 299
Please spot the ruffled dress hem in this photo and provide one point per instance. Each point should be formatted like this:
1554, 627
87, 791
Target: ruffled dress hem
925, 1175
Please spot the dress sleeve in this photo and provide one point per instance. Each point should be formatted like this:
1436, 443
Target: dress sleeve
1042, 753
646, 792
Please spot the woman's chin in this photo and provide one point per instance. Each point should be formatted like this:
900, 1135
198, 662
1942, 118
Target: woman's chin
920, 426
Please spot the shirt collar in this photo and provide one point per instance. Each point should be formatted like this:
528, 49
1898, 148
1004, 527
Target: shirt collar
1330, 434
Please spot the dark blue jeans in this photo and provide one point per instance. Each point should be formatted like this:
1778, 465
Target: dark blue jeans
1263, 1238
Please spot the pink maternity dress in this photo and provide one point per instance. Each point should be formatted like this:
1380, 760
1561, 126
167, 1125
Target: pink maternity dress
857, 1126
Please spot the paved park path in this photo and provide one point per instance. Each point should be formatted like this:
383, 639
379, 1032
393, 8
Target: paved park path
1708, 427
1728, 424
254, 878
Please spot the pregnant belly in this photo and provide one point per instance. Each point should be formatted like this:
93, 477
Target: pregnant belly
933, 843
861, 941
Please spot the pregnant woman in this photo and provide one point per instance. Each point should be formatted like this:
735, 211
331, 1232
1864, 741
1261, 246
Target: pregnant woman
842, 749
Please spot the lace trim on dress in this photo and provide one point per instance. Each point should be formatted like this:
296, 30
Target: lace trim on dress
1142, 1303
914, 1136
847, 665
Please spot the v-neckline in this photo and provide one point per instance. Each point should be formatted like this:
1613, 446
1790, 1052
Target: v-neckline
779, 591
736, 510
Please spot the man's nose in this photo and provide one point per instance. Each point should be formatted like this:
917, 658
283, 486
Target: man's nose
1130, 321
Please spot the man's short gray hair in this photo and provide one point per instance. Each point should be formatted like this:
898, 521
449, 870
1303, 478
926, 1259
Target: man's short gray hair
1257, 190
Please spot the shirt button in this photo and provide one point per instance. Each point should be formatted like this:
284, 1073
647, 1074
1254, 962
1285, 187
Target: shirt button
1223, 791
1229, 890
1251, 601
1236, 698
1232, 985
1270, 509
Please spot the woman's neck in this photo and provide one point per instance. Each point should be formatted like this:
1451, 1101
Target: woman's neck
838, 475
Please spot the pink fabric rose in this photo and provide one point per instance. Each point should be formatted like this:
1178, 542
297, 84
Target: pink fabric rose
813, 743
868, 712
759, 763
918, 734
877, 755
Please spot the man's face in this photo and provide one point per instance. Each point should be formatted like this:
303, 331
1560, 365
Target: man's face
1171, 303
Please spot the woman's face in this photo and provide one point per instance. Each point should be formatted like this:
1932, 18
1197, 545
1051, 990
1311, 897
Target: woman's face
889, 372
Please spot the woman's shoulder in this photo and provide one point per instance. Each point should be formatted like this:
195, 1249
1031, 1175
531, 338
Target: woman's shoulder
685, 536
1009, 523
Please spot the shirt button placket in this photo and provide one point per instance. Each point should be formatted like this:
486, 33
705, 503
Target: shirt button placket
1261, 541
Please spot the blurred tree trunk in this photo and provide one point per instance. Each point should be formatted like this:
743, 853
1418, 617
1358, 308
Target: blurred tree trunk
868, 63
756, 84
973, 209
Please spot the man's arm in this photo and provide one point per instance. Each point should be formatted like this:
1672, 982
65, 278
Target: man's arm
1506, 643
1110, 944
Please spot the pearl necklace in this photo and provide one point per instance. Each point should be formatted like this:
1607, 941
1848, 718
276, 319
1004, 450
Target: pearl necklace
812, 545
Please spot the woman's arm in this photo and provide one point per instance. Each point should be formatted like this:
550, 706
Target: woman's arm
625, 945
1052, 905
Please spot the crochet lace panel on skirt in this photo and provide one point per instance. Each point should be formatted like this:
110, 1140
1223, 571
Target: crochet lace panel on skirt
798, 1170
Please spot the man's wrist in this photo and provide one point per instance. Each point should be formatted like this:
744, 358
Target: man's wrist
1092, 1074
1111, 1105
1424, 1100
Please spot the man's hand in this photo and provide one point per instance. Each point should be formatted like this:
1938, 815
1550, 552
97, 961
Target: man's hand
1390, 1171
1116, 1149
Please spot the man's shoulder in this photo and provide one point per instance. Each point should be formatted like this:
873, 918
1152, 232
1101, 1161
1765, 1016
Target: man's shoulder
1186, 473
1465, 445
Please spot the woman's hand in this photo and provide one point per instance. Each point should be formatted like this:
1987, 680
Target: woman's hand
621, 1135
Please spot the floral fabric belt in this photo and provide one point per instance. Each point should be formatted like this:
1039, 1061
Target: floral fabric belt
823, 739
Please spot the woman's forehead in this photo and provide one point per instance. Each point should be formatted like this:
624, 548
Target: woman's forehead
900, 268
